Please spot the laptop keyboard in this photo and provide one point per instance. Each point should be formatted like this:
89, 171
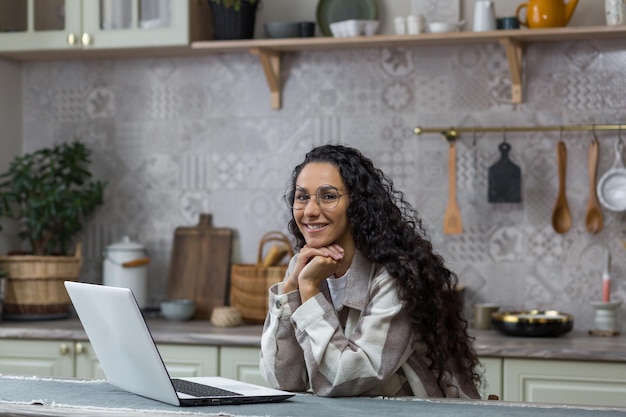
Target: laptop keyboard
200, 390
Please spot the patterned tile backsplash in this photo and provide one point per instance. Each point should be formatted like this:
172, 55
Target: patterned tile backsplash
176, 137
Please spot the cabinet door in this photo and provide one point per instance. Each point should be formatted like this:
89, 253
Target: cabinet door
186, 360
492, 377
30, 25
27, 25
565, 382
37, 357
87, 364
134, 23
242, 364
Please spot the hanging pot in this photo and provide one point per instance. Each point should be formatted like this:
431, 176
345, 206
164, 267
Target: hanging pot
126, 265
612, 185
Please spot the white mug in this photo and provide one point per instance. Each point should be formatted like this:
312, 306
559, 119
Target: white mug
615, 12
484, 16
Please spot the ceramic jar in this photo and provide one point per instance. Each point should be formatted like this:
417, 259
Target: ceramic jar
615, 12
125, 265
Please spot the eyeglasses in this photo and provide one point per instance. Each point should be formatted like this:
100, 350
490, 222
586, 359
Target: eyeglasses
327, 198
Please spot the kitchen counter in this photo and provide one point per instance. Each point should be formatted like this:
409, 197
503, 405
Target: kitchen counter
488, 343
71, 397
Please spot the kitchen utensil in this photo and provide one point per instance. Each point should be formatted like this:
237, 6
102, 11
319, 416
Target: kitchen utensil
452, 221
612, 185
331, 11
593, 216
505, 179
546, 13
533, 323
199, 265
561, 216
484, 16
125, 265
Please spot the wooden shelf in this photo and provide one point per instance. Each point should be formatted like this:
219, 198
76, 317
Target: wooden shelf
513, 41
270, 51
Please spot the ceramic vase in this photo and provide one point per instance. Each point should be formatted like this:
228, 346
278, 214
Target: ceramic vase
615, 12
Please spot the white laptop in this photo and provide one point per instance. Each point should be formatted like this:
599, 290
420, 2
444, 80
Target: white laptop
130, 359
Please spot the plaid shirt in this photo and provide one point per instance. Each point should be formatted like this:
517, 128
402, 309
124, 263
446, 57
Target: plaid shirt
366, 349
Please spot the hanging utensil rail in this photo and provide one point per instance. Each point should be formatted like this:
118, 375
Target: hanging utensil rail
454, 133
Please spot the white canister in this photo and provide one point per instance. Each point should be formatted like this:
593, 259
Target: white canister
125, 265
484, 16
615, 12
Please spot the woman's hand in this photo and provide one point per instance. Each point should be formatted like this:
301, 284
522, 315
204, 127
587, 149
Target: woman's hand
313, 265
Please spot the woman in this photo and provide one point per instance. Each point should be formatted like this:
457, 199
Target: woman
366, 307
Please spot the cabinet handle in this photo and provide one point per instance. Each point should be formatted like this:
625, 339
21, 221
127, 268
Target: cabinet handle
80, 349
72, 39
64, 349
86, 39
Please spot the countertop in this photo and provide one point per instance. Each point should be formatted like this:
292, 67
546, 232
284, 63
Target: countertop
21, 396
488, 343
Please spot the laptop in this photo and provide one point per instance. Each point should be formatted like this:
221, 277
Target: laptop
131, 361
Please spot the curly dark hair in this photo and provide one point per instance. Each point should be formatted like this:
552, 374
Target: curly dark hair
388, 231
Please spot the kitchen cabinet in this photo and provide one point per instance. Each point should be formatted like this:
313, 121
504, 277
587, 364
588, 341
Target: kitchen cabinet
44, 25
492, 377
67, 358
61, 358
242, 364
565, 382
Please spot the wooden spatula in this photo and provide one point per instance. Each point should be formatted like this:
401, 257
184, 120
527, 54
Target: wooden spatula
452, 222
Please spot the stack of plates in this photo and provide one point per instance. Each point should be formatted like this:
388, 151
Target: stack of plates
331, 11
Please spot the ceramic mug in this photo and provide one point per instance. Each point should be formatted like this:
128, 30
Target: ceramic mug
484, 16
507, 23
482, 315
615, 12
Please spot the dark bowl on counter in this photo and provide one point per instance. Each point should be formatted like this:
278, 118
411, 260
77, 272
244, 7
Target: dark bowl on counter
532, 323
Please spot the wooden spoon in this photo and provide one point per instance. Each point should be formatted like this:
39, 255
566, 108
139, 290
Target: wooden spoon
593, 217
452, 222
561, 216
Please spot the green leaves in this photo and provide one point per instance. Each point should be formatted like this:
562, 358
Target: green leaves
51, 193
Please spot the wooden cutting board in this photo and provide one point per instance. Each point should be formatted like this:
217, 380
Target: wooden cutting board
200, 265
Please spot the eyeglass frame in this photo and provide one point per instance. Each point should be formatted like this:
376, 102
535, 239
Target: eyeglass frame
317, 196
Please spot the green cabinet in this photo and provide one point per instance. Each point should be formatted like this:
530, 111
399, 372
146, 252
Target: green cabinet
67, 358
565, 382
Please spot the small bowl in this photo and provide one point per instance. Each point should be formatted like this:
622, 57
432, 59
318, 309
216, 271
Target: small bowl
178, 310
443, 27
282, 29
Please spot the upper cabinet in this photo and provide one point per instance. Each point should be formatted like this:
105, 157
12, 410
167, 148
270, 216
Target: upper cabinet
46, 25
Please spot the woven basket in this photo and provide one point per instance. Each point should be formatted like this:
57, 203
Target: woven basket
249, 284
34, 285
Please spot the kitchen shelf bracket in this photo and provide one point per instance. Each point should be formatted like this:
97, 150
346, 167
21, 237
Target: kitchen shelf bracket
270, 61
514, 56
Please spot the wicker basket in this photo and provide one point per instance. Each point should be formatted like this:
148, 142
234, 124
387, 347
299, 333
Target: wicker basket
34, 285
249, 284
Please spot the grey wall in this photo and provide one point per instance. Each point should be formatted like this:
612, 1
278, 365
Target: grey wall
179, 136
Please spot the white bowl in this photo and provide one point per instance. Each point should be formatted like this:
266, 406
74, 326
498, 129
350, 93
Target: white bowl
442, 27
178, 310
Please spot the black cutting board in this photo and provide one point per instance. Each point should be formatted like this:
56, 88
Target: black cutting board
505, 179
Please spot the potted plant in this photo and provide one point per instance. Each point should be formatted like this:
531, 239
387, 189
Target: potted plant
50, 193
233, 19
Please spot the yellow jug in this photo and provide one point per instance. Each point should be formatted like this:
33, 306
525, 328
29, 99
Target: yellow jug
546, 13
